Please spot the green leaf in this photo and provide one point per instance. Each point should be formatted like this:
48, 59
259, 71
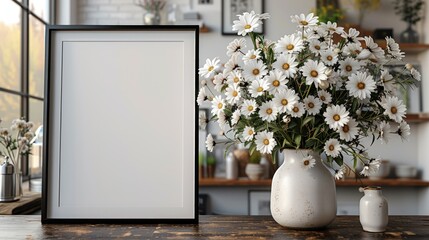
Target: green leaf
307, 120
298, 141
274, 156
339, 161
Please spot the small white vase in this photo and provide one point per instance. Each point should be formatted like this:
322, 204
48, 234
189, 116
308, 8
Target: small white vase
373, 210
303, 198
254, 171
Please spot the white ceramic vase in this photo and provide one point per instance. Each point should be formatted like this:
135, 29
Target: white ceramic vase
302, 197
254, 171
373, 210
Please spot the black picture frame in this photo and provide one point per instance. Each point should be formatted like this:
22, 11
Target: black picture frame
232, 8
55, 72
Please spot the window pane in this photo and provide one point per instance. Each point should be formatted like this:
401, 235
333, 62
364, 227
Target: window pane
36, 57
10, 45
36, 112
10, 108
40, 8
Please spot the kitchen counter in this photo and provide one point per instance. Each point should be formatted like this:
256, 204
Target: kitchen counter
211, 227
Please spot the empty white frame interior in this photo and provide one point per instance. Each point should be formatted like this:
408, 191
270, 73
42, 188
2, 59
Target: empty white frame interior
122, 128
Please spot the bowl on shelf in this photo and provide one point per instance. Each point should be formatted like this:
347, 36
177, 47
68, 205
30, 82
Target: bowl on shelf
383, 171
405, 171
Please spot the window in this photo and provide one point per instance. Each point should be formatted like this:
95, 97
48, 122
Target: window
22, 62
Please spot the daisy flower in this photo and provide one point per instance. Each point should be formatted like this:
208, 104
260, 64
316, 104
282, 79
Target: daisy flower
276, 81
221, 120
297, 110
289, 44
203, 120
258, 87
246, 23
393, 49
349, 131
370, 167
308, 162
403, 130
210, 68
316, 46
352, 36
332, 147
231, 64
416, 74
387, 81
329, 57
312, 105
349, 66
285, 100
218, 105
332, 27
219, 81
352, 49
235, 117
305, 21
268, 111
235, 46
286, 63
339, 173
360, 85
384, 132
248, 107
248, 133
394, 108
234, 77
254, 70
252, 55
314, 72
324, 96
233, 93
376, 52
265, 142
202, 96
336, 116
210, 142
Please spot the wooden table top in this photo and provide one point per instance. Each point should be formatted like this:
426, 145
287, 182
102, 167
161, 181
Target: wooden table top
211, 227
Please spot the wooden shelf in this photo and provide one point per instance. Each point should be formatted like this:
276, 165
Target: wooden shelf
408, 48
417, 117
390, 182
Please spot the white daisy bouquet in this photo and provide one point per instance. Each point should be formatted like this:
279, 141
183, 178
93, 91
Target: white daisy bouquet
306, 91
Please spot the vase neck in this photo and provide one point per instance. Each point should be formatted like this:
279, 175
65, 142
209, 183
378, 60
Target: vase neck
292, 156
372, 192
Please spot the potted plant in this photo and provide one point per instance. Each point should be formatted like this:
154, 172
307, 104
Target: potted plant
306, 95
211, 166
410, 12
254, 170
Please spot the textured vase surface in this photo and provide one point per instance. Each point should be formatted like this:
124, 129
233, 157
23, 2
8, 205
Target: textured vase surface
303, 197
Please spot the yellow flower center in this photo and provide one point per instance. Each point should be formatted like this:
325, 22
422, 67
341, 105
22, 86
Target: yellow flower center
219, 105
346, 129
306, 162
285, 66
317, 47
329, 58
295, 109
284, 102
361, 85
247, 26
253, 56
255, 71
311, 105
260, 89
276, 83
323, 98
303, 22
266, 141
290, 47
336, 117
235, 94
211, 68
250, 108
394, 110
331, 147
269, 111
250, 132
314, 73
236, 79
349, 68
